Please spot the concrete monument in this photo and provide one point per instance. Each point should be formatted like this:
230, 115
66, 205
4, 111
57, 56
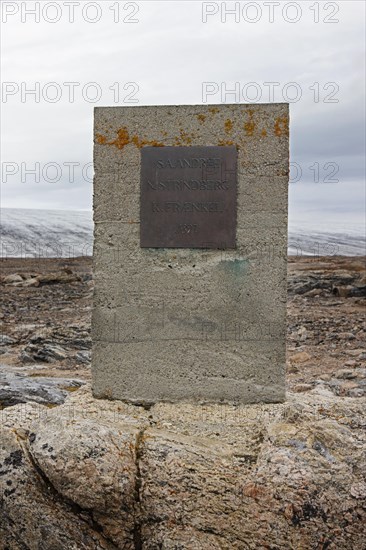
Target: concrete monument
190, 253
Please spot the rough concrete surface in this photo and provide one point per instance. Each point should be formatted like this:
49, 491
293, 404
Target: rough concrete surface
176, 324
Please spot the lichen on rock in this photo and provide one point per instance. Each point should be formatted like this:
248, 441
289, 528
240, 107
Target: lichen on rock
95, 474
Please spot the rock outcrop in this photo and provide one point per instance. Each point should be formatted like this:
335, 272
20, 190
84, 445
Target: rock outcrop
16, 388
95, 474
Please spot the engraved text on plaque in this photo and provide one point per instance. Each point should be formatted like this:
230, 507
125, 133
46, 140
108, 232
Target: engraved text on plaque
188, 197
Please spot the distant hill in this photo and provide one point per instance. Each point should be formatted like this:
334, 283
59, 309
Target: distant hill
69, 233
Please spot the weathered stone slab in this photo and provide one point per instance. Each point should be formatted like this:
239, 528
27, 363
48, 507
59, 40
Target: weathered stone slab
191, 323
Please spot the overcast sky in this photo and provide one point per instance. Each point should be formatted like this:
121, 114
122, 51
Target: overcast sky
162, 52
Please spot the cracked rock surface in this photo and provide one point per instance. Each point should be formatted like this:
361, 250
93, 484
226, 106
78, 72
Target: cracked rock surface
95, 474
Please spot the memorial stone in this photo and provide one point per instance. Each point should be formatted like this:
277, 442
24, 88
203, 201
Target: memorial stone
190, 253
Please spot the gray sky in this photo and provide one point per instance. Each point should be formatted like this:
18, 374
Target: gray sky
163, 53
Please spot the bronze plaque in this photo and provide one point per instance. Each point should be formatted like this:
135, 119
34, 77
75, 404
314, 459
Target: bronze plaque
188, 197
